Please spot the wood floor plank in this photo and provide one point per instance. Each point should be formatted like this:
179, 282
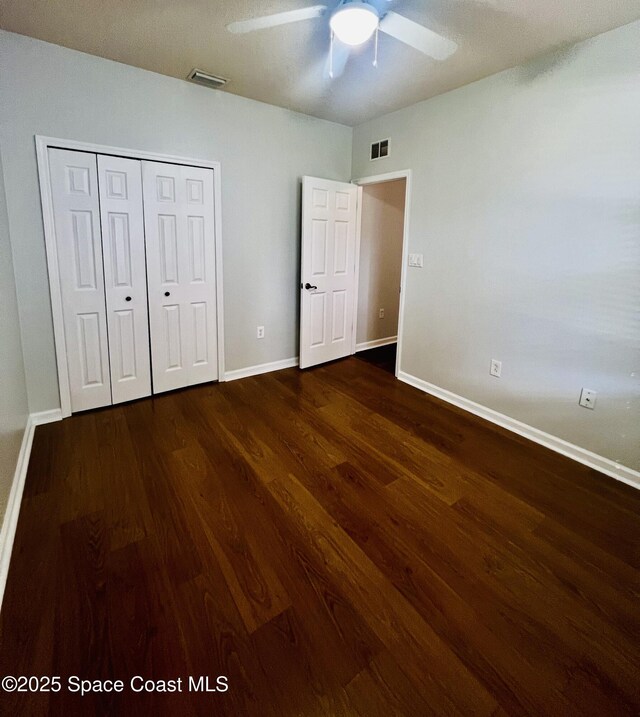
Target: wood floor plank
124, 494
36, 563
397, 450
487, 448
76, 495
600, 564
333, 541
343, 645
81, 626
383, 690
254, 585
516, 579
374, 462
405, 634
429, 587
609, 603
216, 644
331, 621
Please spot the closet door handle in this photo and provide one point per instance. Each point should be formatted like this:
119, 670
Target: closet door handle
167, 293
309, 286
128, 298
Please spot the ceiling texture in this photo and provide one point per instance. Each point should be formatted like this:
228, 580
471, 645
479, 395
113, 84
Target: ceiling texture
285, 65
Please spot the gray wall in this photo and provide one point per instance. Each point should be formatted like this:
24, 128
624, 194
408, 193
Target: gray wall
13, 391
526, 206
380, 260
263, 150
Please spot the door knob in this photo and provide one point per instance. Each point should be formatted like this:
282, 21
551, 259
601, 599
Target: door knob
167, 293
128, 298
309, 286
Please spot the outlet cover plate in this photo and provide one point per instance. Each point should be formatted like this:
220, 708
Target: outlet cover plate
588, 398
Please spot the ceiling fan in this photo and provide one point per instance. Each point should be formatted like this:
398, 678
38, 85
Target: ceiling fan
353, 22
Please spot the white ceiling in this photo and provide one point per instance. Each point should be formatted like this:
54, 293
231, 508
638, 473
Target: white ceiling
285, 65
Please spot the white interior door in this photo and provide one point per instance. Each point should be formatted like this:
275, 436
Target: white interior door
76, 209
125, 277
180, 246
328, 273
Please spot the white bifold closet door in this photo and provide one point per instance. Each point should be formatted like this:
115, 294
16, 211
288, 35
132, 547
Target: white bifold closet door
135, 242
98, 217
179, 229
125, 279
74, 187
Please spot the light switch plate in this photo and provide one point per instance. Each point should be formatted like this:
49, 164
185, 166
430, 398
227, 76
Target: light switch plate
416, 260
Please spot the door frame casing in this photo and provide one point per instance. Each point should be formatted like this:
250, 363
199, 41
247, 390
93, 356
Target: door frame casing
381, 179
43, 144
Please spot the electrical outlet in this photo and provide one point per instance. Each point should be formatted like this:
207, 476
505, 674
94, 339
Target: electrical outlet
381, 314
588, 398
260, 332
416, 260
495, 368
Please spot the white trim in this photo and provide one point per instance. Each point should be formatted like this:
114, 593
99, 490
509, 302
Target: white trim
39, 419
587, 458
55, 290
376, 343
123, 152
10, 522
261, 368
356, 272
217, 219
42, 155
389, 177
386, 177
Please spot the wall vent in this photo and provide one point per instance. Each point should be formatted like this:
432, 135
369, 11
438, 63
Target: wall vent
380, 150
205, 78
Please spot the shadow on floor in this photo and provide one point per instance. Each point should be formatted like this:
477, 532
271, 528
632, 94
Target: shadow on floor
383, 357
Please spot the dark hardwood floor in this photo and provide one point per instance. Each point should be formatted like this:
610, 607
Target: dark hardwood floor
335, 543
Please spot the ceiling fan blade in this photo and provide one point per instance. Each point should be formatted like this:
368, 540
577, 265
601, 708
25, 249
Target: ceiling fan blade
280, 18
418, 36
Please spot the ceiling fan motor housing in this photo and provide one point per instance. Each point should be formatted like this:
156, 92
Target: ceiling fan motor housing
354, 21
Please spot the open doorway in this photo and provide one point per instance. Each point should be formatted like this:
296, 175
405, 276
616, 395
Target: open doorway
380, 254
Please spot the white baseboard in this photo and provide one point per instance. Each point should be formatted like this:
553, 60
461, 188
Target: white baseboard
375, 343
260, 368
593, 460
43, 417
10, 522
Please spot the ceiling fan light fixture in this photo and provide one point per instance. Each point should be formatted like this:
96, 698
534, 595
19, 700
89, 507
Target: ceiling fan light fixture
354, 22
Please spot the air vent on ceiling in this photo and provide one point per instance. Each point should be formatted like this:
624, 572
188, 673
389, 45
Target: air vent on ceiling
380, 150
206, 79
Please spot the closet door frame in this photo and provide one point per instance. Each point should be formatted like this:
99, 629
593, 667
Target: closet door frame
43, 144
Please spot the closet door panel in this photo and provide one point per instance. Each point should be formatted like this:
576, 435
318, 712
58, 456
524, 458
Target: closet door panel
202, 347
74, 187
180, 246
123, 252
